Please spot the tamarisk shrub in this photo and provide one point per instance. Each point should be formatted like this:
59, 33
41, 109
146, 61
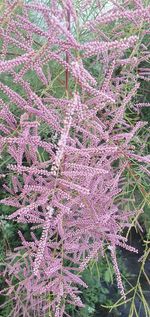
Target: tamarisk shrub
67, 199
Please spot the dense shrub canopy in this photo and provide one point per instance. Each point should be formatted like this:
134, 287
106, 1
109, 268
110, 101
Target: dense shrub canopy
69, 143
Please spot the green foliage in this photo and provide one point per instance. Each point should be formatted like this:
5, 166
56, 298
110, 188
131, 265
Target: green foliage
100, 278
136, 292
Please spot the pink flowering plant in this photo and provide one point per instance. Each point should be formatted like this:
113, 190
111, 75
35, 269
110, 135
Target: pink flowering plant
63, 183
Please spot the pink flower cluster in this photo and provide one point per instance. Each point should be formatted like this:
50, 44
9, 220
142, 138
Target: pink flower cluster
70, 196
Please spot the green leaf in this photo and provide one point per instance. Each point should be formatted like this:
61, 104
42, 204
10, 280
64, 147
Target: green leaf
107, 276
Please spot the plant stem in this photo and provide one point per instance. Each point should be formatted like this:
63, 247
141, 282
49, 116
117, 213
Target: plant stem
67, 56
